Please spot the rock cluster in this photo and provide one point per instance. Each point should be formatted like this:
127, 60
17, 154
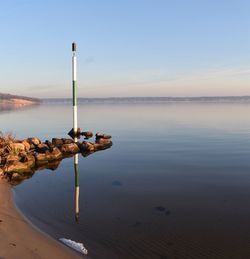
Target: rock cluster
19, 159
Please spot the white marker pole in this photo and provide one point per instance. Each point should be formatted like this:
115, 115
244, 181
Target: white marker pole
75, 129
74, 90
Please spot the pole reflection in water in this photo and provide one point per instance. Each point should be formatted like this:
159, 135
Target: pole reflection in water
77, 188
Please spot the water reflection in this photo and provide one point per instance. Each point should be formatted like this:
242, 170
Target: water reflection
77, 188
17, 178
176, 184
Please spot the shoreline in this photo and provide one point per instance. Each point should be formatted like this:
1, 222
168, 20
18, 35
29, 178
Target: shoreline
16, 104
19, 238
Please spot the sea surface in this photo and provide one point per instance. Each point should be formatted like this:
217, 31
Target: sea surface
174, 185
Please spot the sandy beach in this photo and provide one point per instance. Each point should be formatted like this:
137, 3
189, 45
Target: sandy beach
20, 240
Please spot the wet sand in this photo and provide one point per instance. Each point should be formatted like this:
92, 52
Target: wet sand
20, 240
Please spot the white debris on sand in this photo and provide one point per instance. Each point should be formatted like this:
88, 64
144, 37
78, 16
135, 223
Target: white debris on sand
74, 245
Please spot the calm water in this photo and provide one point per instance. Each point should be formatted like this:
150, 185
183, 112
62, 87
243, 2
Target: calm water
175, 184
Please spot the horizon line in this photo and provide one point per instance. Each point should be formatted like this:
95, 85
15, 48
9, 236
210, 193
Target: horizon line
148, 97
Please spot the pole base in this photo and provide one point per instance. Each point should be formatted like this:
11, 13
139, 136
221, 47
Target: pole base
74, 134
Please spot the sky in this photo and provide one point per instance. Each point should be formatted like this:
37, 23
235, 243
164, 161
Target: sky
125, 47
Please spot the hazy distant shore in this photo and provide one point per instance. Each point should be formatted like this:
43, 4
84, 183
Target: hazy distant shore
10, 102
212, 99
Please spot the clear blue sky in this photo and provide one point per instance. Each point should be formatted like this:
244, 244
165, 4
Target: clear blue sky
125, 48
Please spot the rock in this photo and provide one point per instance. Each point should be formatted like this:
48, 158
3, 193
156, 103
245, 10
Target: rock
20, 158
83, 146
23, 156
42, 148
34, 141
103, 141
56, 154
16, 177
104, 136
30, 160
87, 134
50, 145
71, 148
57, 142
2, 151
67, 141
2, 160
26, 145
12, 158
99, 135
90, 146
42, 158
32, 146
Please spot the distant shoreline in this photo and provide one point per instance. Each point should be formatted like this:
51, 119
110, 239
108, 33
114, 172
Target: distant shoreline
11, 102
205, 99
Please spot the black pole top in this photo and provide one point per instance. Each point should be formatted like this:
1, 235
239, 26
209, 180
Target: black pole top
73, 46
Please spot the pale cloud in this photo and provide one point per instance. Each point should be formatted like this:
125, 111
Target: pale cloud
222, 81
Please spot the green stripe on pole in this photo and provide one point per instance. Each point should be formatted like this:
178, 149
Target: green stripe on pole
76, 175
74, 93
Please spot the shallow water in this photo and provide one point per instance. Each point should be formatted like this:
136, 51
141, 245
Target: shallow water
175, 184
